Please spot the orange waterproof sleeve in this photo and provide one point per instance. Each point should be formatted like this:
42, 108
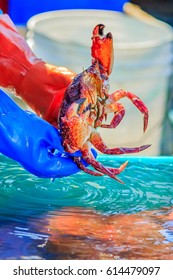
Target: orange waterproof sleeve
39, 84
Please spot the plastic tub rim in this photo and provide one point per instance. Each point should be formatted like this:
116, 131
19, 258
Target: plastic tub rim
32, 22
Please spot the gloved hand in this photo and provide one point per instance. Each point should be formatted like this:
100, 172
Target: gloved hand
33, 142
39, 84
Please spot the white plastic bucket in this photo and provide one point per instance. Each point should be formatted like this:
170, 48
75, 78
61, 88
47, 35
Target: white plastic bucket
142, 63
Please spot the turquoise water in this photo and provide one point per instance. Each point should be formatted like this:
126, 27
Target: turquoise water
41, 219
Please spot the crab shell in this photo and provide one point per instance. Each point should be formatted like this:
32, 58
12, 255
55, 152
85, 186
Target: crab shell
78, 113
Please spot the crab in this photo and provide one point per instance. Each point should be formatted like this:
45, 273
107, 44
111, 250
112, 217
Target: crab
86, 104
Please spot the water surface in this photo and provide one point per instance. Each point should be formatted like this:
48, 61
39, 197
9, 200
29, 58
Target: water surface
87, 217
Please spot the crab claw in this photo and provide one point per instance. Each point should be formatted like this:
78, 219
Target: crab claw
102, 49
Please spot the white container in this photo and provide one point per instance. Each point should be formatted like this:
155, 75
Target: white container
142, 63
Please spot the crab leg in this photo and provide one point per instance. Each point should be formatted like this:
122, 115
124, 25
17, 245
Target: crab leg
118, 115
97, 141
114, 97
88, 157
117, 171
77, 160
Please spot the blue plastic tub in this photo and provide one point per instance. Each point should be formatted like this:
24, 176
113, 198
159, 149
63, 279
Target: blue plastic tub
20, 11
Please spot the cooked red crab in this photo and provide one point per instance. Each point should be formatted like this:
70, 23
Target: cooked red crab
86, 104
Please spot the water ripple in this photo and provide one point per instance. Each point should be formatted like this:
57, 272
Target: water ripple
146, 187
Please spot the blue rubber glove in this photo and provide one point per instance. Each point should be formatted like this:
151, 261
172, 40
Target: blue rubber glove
33, 142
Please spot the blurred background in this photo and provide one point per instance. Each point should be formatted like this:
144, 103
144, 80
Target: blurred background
143, 37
